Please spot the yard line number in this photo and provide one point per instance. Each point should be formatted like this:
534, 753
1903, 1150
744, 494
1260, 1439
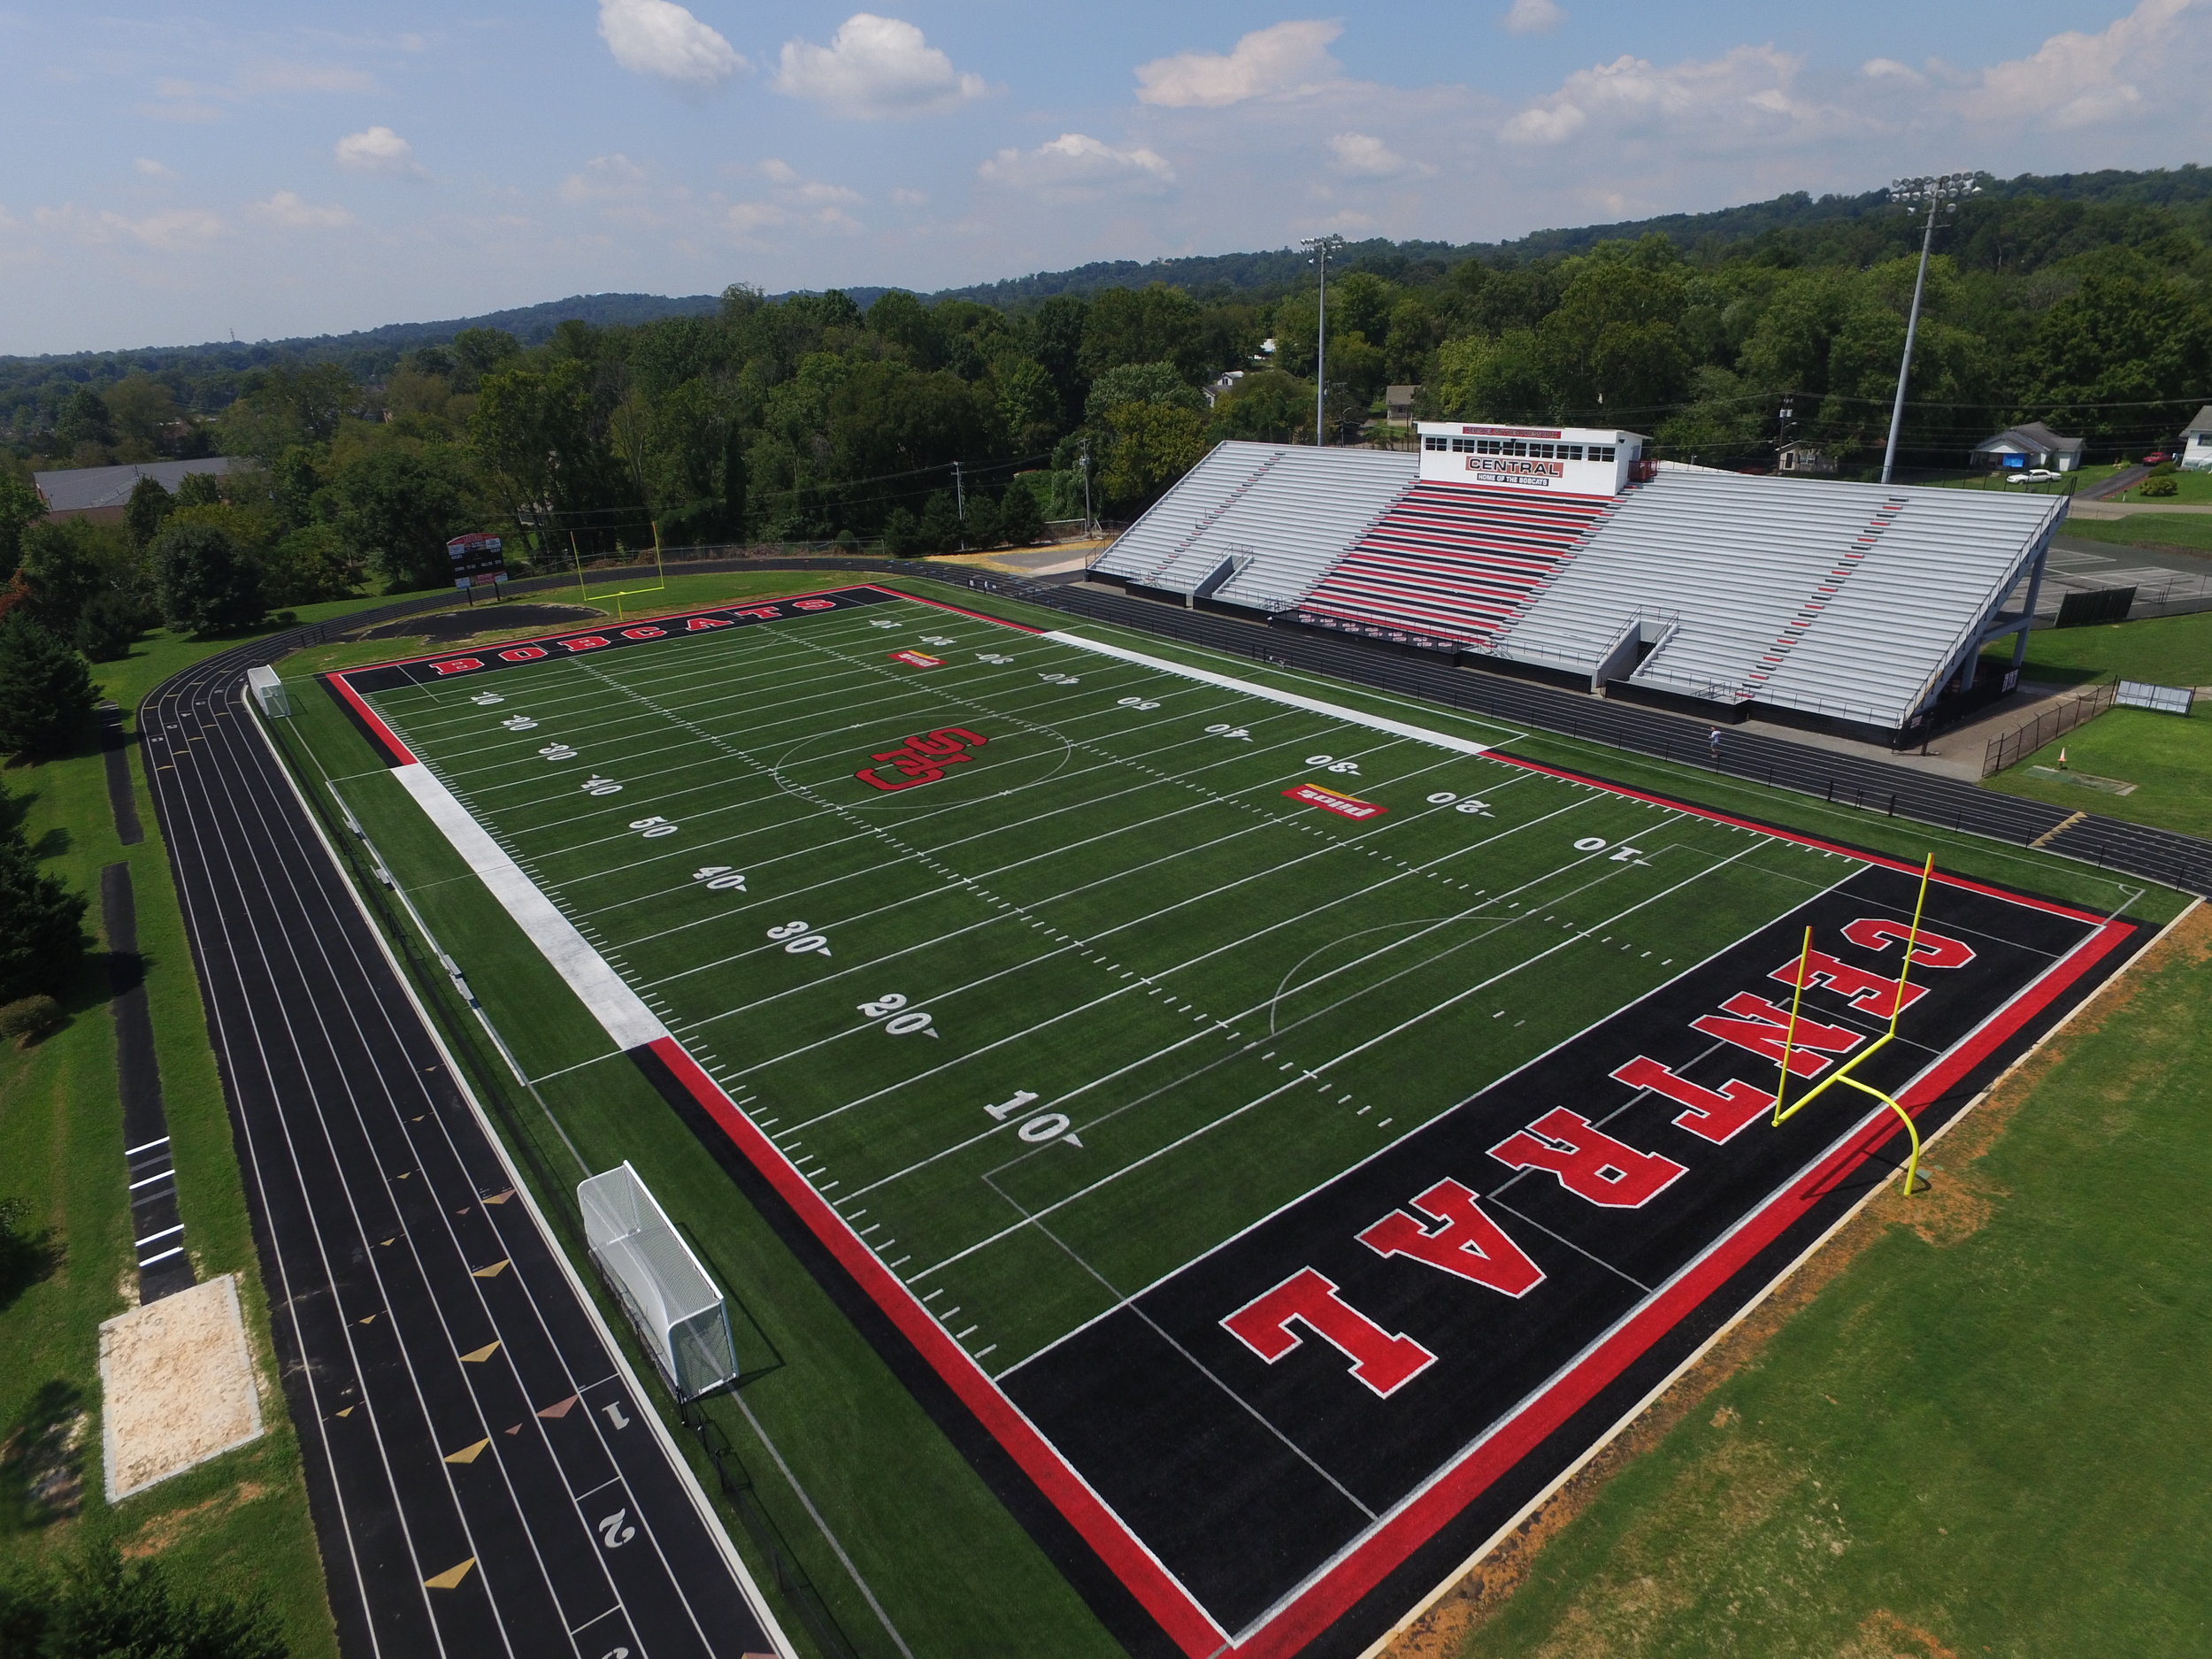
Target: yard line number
720, 879
1038, 1129
1622, 855
652, 828
798, 938
901, 1023
1466, 803
596, 785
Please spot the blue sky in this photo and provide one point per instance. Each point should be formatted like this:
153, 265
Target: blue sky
277, 169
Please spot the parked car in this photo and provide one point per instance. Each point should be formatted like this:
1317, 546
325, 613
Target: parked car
2037, 475
2157, 457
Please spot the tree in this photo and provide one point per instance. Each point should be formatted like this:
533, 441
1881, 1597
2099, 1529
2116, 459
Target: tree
200, 490
61, 568
143, 413
142, 515
207, 582
19, 507
287, 404
1151, 446
100, 1607
902, 534
1269, 407
1146, 325
939, 531
396, 514
84, 421
736, 482
45, 690
1141, 383
311, 565
982, 527
108, 625
1020, 520
477, 352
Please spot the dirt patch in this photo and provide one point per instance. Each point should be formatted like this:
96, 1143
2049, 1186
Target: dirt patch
178, 1385
1956, 1204
163, 1531
449, 628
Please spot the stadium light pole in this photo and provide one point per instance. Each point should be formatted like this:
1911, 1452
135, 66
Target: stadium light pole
1321, 248
1938, 192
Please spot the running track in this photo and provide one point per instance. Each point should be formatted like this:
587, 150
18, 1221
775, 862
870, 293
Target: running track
485, 1480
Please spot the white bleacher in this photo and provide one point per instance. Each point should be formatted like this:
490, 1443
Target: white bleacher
1850, 600
1285, 514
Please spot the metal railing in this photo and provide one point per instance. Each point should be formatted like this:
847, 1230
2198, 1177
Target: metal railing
2009, 748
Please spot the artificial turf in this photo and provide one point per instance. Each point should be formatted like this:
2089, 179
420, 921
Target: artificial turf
947, 1564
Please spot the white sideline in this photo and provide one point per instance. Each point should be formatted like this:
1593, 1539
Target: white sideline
1253, 689
614, 1004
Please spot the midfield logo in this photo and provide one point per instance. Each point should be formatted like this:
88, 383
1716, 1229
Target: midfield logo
922, 759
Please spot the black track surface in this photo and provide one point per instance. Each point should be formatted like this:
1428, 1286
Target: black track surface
396, 1253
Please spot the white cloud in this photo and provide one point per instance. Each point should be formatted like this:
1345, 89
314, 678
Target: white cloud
798, 187
153, 169
604, 178
1890, 69
2076, 80
1748, 93
905, 197
171, 231
1284, 58
875, 67
288, 210
656, 37
378, 150
1360, 155
1533, 16
1075, 167
748, 221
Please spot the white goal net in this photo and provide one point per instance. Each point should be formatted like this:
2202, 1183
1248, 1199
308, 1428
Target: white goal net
667, 1294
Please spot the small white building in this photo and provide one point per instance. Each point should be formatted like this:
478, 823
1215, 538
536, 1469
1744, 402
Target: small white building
2196, 442
1564, 460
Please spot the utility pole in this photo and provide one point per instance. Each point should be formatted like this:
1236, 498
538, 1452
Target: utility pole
1090, 524
1321, 246
1940, 192
960, 505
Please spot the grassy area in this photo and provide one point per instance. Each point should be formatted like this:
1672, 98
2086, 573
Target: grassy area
2168, 758
2165, 651
240, 1524
1983, 1437
2001, 482
952, 1570
2192, 488
2177, 532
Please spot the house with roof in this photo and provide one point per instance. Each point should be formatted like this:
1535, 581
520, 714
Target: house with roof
2028, 448
101, 493
2196, 442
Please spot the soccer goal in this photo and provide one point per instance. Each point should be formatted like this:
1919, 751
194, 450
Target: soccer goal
667, 1294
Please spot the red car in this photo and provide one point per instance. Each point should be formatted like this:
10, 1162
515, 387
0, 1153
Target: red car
2156, 459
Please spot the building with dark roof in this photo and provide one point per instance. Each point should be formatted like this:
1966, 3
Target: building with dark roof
101, 493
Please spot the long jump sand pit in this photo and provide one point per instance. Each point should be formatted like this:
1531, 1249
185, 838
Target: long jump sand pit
178, 1385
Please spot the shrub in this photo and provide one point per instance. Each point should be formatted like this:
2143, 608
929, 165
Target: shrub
42, 936
2159, 486
27, 1019
208, 581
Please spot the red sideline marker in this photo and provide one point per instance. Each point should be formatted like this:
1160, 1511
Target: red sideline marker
1330, 801
920, 659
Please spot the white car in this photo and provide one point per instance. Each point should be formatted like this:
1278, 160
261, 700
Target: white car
2039, 475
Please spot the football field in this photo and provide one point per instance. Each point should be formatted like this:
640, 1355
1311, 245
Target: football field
1293, 1134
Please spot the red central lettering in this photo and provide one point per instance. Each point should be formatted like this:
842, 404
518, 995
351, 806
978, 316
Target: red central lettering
1466, 1243
1862, 990
1383, 1360
1589, 1162
643, 633
922, 759
1928, 950
765, 612
522, 654
458, 665
1761, 1027
814, 604
586, 643
698, 624
1713, 1115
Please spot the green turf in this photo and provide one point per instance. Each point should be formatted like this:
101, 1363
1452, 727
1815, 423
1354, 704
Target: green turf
1985, 1437
2184, 532
2165, 651
953, 1570
2169, 758
1228, 998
